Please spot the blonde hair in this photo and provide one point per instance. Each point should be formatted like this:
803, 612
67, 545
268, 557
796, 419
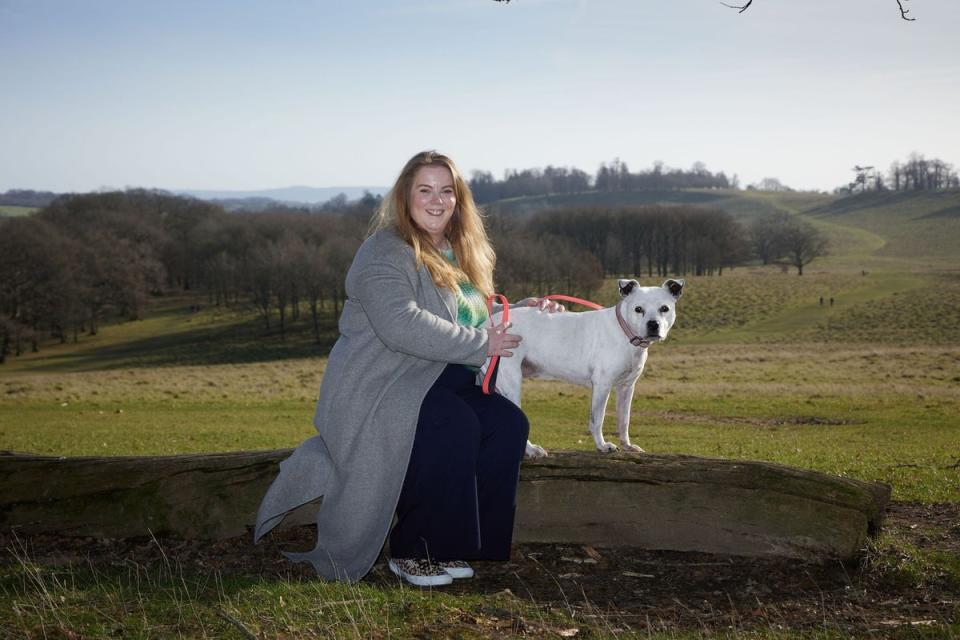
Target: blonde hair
465, 231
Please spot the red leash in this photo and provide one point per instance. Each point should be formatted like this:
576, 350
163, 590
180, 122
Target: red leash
490, 378
586, 303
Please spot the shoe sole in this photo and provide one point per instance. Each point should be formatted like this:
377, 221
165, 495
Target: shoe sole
458, 573
421, 581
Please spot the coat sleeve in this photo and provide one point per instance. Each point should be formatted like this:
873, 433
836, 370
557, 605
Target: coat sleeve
389, 301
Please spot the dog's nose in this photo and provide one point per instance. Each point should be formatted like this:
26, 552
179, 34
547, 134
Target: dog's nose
653, 328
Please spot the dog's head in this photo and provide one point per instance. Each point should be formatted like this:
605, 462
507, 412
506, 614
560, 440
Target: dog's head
649, 311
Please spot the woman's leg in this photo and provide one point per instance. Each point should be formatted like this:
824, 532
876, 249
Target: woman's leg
459, 494
504, 430
437, 512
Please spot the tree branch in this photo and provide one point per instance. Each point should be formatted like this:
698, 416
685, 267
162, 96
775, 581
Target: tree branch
904, 12
741, 8
744, 7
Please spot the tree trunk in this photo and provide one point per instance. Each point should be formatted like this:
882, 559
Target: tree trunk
667, 502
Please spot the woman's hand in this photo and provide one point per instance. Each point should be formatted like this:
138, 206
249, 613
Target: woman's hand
500, 341
550, 306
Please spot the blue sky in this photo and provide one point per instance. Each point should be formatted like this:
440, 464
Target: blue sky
235, 94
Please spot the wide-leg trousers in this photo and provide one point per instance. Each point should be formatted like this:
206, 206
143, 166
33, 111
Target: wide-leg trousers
460, 491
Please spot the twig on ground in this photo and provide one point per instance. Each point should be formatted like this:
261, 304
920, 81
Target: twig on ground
239, 625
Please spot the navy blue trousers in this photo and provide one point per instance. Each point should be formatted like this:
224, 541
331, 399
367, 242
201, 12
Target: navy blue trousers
460, 491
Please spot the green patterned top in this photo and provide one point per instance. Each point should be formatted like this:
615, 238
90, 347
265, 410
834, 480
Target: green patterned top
471, 305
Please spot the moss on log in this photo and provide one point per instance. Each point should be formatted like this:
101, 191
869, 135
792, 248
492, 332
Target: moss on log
652, 501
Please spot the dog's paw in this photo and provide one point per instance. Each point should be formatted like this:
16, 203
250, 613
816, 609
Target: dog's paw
607, 447
632, 448
534, 451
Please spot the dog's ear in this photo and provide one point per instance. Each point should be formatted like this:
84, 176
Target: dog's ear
675, 287
626, 286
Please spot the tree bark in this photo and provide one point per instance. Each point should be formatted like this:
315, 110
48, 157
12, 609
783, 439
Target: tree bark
652, 501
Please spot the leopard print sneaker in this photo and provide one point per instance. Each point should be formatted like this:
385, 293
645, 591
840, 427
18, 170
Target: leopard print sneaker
421, 573
457, 569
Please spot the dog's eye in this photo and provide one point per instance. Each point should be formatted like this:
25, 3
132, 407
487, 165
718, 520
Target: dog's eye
664, 309
638, 309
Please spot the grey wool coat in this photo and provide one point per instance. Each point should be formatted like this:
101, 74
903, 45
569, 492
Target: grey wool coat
398, 331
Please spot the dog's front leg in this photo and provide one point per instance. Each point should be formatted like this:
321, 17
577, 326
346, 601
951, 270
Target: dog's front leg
509, 381
624, 400
598, 406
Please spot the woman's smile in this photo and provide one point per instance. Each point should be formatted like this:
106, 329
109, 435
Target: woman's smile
433, 201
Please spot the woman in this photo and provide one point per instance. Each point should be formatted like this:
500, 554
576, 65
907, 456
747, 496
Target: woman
402, 427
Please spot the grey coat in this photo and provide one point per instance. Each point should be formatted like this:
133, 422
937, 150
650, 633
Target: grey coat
398, 331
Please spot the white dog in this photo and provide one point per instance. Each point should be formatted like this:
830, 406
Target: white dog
601, 349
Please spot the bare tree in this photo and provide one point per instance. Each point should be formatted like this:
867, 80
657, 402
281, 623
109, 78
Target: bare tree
769, 184
766, 238
803, 243
261, 280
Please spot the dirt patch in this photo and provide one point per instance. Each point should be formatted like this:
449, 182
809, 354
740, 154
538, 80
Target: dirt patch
622, 588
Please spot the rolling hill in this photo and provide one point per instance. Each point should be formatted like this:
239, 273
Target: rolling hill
873, 230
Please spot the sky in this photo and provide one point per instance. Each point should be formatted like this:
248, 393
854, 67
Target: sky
244, 95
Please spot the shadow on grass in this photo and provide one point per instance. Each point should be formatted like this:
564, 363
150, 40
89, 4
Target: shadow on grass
945, 201
241, 342
948, 212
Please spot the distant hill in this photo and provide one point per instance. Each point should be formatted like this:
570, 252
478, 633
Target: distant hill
286, 195
919, 226
737, 203
915, 224
27, 198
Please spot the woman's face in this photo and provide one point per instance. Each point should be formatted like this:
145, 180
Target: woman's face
432, 201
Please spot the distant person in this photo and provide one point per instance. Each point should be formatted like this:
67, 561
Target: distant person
831, 301
821, 301
403, 428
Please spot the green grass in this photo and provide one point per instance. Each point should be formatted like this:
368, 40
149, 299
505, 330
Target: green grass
901, 562
163, 601
922, 229
14, 211
888, 413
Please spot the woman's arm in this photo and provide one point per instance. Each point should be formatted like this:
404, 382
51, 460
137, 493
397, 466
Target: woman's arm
389, 302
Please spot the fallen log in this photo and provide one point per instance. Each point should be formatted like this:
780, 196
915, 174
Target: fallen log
666, 502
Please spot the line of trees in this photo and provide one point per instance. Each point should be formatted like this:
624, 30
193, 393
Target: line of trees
528, 182
610, 177
27, 198
88, 258
617, 177
916, 173
656, 239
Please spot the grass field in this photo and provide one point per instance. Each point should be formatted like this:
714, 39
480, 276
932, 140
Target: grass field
13, 211
756, 368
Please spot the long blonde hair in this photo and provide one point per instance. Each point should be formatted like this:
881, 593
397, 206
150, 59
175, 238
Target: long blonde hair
465, 231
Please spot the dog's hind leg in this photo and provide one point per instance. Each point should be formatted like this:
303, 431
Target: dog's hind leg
624, 400
598, 406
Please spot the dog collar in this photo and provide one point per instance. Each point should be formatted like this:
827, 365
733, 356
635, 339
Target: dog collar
635, 340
